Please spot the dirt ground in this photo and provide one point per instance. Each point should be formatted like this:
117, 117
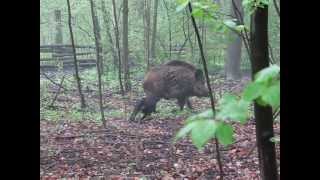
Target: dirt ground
131, 150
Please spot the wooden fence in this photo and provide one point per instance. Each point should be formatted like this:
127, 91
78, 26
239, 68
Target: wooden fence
53, 56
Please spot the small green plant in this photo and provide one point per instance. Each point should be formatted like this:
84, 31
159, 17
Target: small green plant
265, 90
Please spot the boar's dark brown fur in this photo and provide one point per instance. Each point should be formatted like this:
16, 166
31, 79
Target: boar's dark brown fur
173, 80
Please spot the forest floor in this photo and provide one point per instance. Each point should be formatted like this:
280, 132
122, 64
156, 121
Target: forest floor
78, 147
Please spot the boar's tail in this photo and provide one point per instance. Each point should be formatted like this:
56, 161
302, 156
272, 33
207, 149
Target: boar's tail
137, 108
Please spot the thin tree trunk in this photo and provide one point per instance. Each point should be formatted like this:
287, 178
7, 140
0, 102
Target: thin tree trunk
190, 40
263, 114
208, 83
57, 93
77, 77
276, 7
107, 24
233, 59
117, 45
125, 45
59, 34
96, 30
154, 30
169, 28
146, 23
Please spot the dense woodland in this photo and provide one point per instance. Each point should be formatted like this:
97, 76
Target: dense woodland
120, 86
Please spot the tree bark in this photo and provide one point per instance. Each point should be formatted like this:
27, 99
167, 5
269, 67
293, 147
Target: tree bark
125, 53
107, 24
77, 77
96, 30
276, 7
263, 114
58, 35
146, 23
169, 28
154, 29
189, 39
116, 31
233, 59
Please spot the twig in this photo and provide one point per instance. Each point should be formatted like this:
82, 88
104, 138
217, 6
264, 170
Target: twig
58, 92
208, 84
272, 59
276, 7
68, 137
251, 150
276, 114
52, 81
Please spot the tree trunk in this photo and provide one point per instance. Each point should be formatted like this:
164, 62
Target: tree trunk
77, 77
233, 59
189, 35
107, 24
169, 27
263, 115
125, 53
96, 30
116, 31
154, 30
58, 35
146, 23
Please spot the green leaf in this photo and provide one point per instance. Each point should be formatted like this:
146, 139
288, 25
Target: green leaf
202, 132
184, 131
196, 4
206, 115
181, 5
275, 139
240, 28
230, 23
271, 95
227, 98
261, 102
267, 74
233, 109
198, 12
253, 90
224, 133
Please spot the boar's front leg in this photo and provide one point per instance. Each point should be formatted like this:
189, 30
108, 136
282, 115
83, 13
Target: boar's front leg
181, 102
137, 108
149, 105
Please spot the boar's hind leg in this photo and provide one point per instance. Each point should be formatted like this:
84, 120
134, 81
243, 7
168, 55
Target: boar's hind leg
136, 109
189, 104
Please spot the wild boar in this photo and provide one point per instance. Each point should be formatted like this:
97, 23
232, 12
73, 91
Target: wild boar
172, 80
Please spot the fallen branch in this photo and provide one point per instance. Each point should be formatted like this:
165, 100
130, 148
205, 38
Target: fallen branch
58, 92
52, 81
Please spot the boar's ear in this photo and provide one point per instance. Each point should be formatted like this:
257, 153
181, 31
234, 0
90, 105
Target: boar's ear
199, 75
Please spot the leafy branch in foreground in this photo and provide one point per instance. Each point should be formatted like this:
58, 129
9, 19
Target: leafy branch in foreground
202, 127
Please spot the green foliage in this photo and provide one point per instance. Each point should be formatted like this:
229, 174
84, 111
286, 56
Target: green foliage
275, 139
201, 131
252, 5
265, 89
224, 134
233, 108
181, 5
268, 74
